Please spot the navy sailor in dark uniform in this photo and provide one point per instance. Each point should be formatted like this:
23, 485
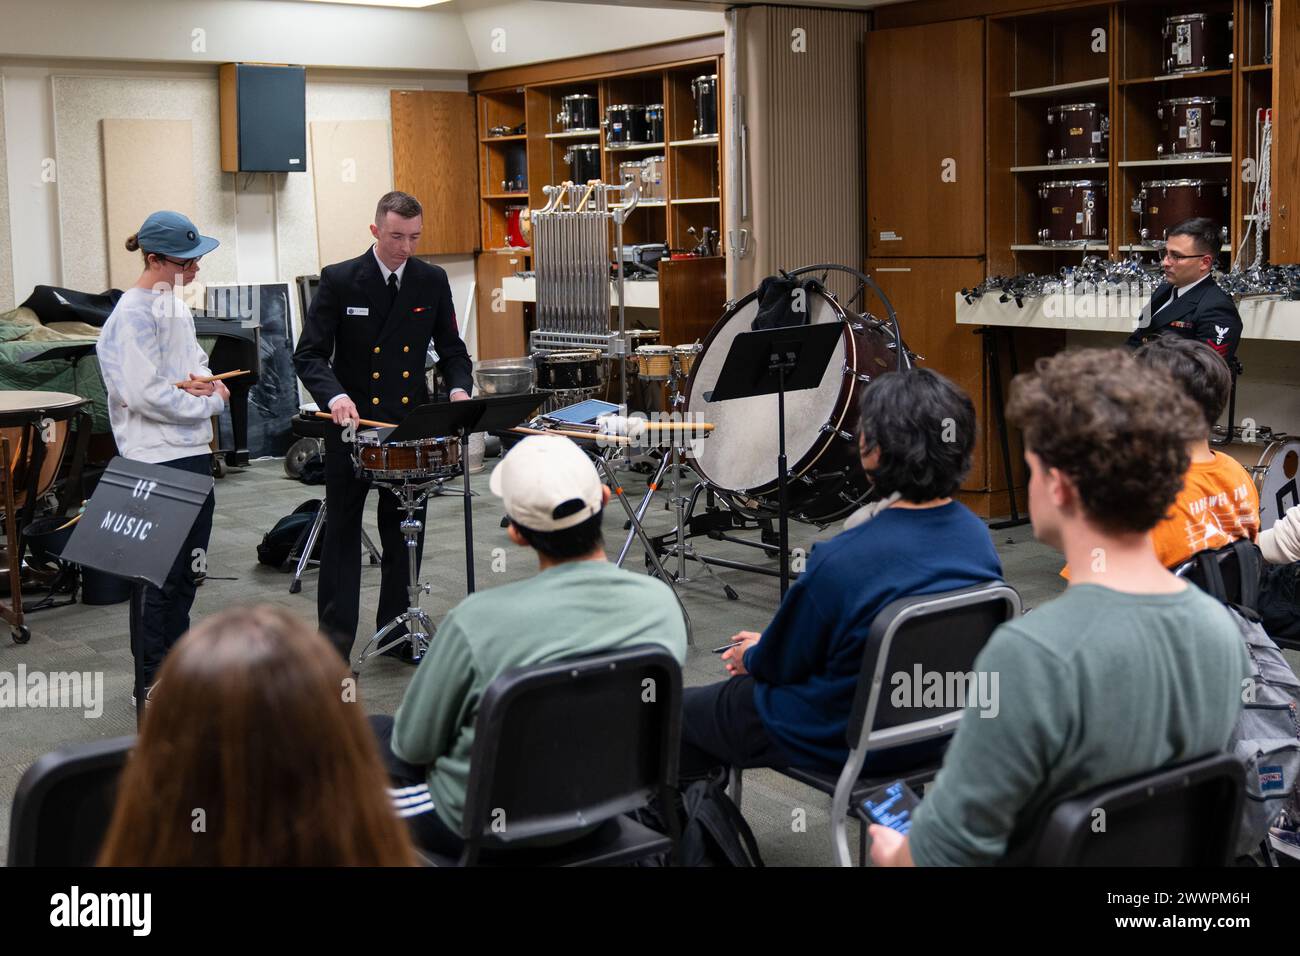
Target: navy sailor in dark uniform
1189, 303
362, 354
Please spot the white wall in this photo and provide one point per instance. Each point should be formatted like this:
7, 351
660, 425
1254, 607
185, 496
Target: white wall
224, 31
531, 31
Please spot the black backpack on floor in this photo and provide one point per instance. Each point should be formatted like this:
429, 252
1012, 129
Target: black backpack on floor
713, 831
290, 533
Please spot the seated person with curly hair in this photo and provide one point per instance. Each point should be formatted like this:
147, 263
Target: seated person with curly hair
1130, 669
788, 700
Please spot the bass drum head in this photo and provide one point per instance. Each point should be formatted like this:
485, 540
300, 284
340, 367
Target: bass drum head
740, 455
1278, 480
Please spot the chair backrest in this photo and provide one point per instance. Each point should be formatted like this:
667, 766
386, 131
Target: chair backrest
1183, 815
1230, 573
569, 744
64, 803
911, 641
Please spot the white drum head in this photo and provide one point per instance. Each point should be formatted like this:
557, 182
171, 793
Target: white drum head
740, 455
1277, 480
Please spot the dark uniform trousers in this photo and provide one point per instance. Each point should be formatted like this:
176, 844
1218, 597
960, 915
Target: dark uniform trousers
360, 340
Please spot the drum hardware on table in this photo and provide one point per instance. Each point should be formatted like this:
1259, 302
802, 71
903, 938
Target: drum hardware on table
644, 257
1197, 42
1193, 127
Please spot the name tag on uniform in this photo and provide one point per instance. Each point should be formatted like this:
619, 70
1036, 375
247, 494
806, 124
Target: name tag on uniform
357, 310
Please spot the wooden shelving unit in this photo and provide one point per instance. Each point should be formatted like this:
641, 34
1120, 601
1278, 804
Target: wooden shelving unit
692, 166
1113, 54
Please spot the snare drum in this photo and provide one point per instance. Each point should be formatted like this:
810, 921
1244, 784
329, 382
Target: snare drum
1162, 204
1198, 41
686, 355
655, 362
419, 460
1273, 466
1082, 133
1193, 126
1072, 211
580, 111
625, 125
566, 371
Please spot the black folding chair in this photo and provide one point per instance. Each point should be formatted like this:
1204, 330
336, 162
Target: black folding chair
64, 803
569, 747
1184, 815
936, 632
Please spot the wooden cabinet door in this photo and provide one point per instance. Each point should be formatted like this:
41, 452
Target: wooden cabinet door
1284, 237
435, 159
500, 326
921, 292
925, 140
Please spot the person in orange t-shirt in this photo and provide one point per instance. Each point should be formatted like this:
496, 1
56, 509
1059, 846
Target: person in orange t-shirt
1219, 502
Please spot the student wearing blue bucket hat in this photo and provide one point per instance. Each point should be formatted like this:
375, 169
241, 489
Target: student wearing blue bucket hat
146, 347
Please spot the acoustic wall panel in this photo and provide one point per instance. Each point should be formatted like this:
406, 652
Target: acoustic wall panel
136, 183
81, 103
351, 168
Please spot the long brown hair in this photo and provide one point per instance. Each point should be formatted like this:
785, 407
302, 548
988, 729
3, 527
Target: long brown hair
254, 753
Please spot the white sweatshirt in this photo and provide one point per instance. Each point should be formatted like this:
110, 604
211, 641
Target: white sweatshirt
147, 345
1281, 543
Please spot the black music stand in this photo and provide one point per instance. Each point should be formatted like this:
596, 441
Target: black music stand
786, 359
439, 420
133, 527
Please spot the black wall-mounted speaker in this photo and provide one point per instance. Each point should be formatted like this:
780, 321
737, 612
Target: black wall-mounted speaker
263, 118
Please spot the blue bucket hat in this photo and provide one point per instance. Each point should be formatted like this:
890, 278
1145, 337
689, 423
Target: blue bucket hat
171, 234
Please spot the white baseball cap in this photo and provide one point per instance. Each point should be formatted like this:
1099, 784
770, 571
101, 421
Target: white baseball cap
547, 483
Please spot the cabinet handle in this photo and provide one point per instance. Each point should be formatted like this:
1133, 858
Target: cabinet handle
895, 269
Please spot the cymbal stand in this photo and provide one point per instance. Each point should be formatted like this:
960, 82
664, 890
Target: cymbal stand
419, 626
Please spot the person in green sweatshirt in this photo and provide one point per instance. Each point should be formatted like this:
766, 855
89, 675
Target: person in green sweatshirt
554, 500
1131, 669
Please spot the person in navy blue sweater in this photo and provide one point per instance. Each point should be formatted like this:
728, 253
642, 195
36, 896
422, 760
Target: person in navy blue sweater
787, 702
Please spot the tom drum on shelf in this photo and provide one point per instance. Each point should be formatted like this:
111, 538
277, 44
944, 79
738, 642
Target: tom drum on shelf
1080, 133
1198, 41
705, 91
625, 125
1193, 126
1162, 204
1072, 211
580, 111
584, 161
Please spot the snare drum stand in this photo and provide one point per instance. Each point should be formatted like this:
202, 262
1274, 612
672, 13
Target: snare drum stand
420, 626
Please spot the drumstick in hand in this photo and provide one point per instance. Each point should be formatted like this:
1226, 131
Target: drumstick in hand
214, 378
363, 421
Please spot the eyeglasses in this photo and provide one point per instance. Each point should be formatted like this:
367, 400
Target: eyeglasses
1178, 256
182, 263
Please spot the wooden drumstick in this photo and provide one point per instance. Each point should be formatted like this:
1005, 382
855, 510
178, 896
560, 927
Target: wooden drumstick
363, 421
214, 378
589, 436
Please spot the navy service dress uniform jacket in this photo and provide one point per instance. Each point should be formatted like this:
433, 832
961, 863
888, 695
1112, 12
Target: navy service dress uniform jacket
1205, 313
358, 340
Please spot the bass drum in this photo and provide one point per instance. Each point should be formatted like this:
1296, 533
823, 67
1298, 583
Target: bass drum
1274, 467
739, 459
